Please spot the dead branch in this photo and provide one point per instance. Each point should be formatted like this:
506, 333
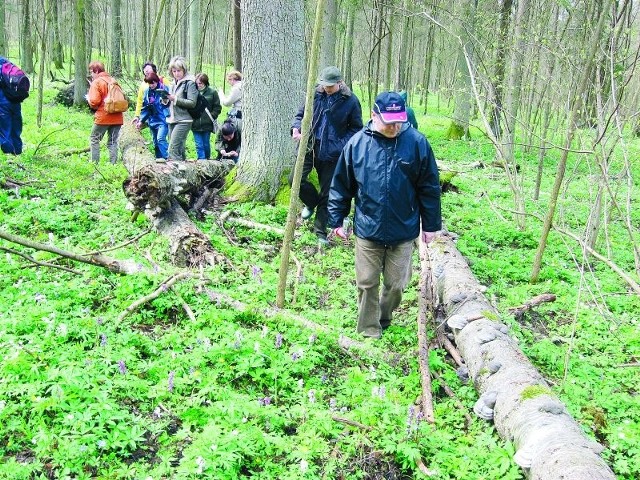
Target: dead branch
73, 151
117, 266
164, 286
250, 224
185, 305
128, 242
351, 423
425, 309
36, 262
297, 277
423, 468
530, 304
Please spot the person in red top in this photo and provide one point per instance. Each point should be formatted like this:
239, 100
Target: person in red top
104, 122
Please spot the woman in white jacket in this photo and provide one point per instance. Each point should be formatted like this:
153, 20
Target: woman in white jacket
234, 99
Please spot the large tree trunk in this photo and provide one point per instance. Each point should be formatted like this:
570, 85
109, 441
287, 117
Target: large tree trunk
549, 443
188, 245
272, 48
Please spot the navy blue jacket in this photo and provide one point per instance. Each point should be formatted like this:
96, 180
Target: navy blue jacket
395, 184
343, 120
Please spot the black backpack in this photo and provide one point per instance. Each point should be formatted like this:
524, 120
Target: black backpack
201, 104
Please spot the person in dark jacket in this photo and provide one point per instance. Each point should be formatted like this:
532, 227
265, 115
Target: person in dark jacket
411, 115
390, 171
228, 141
10, 123
204, 126
337, 116
154, 114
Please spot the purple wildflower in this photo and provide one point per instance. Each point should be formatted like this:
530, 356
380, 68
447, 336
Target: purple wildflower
103, 340
278, 340
122, 367
99, 321
312, 396
170, 385
256, 271
313, 338
297, 355
265, 401
333, 403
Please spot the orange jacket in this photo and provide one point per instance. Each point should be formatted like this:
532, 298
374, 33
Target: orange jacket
97, 93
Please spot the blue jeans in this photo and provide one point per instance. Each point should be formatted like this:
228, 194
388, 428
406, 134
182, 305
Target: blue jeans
203, 144
160, 143
10, 126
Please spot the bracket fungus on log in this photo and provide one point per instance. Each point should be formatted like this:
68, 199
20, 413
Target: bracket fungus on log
549, 442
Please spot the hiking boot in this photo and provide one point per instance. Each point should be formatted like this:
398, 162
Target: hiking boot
306, 213
161, 160
384, 324
323, 242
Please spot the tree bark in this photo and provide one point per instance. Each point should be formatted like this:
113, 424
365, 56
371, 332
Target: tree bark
4, 47
273, 48
549, 442
116, 38
328, 39
80, 53
188, 245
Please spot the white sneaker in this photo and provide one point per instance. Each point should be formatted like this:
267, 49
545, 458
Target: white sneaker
306, 213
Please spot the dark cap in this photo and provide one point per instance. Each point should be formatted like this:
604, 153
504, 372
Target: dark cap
329, 76
391, 107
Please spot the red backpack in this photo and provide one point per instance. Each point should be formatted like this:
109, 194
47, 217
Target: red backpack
14, 82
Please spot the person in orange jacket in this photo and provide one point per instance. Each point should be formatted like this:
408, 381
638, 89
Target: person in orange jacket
104, 122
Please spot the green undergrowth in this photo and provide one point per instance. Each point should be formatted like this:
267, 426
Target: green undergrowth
209, 380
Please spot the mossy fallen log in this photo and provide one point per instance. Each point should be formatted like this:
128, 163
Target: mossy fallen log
549, 442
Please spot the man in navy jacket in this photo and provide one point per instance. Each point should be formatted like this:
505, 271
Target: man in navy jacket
337, 116
390, 171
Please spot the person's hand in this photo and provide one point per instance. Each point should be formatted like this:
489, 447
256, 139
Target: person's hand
171, 98
295, 134
339, 232
224, 152
138, 125
428, 237
232, 153
135, 122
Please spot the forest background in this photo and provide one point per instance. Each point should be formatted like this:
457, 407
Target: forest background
532, 109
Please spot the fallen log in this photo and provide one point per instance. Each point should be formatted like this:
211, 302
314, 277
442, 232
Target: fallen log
187, 244
153, 186
550, 444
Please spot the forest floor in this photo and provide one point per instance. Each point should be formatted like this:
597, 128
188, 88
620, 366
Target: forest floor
190, 385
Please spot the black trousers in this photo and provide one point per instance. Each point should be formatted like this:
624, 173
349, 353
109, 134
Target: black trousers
308, 192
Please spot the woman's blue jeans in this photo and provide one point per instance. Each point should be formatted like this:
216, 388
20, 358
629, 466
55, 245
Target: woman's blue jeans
160, 143
203, 144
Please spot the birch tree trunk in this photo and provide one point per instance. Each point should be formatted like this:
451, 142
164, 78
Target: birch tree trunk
274, 65
549, 443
